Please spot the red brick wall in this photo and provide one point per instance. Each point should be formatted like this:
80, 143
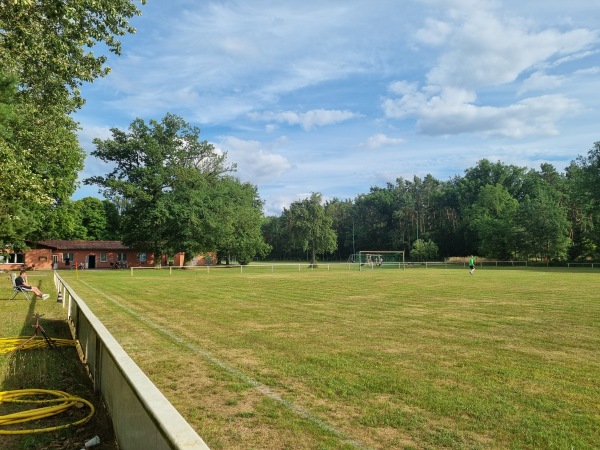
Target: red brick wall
111, 256
39, 259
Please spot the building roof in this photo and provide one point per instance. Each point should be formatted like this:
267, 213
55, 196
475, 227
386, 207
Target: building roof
83, 245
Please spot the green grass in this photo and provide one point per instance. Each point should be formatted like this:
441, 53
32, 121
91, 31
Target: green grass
334, 359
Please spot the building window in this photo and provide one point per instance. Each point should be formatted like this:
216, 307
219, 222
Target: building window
12, 258
141, 257
121, 256
68, 256
103, 257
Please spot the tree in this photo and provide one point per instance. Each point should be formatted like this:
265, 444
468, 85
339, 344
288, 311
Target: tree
163, 177
13, 175
424, 250
92, 214
278, 236
584, 192
40, 160
239, 211
44, 59
311, 226
544, 224
47, 43
492, 218
343, 222
377, 222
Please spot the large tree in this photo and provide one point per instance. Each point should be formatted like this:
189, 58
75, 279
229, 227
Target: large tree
584, 189
45, 56
545, 228
277, 235
493, 219
164, 177
239, 211
344, 223
311, 226
14, 175
40, 161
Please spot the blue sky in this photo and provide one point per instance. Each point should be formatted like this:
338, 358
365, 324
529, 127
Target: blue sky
339, 96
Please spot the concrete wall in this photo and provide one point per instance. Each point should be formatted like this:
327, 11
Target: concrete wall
142, 416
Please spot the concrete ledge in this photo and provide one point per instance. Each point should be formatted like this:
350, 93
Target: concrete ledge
142, 416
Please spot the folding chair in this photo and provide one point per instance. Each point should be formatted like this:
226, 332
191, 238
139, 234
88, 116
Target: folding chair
19, 289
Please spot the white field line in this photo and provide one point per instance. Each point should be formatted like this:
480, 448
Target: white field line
263, 389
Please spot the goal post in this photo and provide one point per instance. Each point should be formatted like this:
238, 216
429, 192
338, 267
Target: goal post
381, 258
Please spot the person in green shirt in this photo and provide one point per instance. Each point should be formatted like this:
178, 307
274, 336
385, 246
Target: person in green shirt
471, 264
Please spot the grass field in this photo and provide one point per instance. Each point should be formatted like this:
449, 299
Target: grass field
339, 359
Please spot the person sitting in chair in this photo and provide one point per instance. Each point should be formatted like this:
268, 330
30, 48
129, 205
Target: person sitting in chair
21, 283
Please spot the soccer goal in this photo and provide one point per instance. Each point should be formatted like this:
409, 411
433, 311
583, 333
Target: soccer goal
381, 258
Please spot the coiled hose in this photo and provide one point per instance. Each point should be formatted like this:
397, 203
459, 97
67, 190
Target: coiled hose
63, 402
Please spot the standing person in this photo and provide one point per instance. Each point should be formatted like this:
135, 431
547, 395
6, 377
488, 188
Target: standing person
21, 282
471, 264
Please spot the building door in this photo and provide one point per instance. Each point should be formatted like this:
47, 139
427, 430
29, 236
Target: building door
91, 261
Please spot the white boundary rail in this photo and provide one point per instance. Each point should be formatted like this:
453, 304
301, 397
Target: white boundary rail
299, 266
493, 263
142, 416
304, 266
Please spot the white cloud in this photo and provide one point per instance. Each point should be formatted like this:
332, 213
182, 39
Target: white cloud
307, 120
454, 112
540, 81
482, 50
255, 163
434, 33
89, 132
381, 140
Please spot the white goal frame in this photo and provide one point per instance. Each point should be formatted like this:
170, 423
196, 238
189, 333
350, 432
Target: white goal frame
379, 252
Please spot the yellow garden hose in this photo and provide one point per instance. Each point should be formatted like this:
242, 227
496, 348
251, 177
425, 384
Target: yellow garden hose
8, 345
62, 400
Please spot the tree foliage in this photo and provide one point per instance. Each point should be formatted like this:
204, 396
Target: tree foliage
310, 226
48, 45
424, 250
45, 56
239, 218
174, 192
493, 220
495, 210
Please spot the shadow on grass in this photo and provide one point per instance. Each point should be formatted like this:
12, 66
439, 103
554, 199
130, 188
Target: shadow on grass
56, 369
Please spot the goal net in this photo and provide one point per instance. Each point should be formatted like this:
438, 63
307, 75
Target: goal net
380, 258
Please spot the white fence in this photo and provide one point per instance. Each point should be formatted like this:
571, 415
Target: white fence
299, 267
142, 417
306, 266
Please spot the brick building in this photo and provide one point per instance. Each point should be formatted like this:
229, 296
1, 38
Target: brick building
54, 254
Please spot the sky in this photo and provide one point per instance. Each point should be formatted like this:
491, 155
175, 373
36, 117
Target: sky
339, 96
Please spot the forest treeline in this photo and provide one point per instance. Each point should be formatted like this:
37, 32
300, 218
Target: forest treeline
494, 210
